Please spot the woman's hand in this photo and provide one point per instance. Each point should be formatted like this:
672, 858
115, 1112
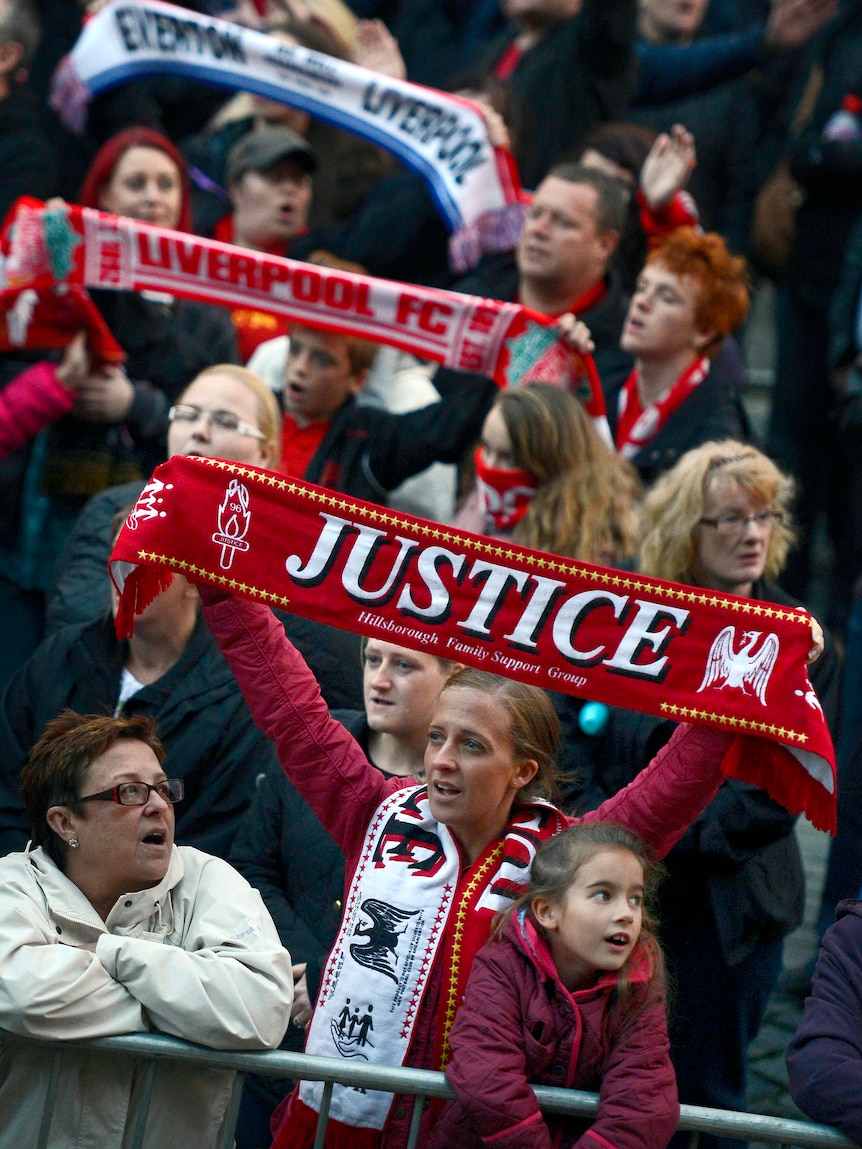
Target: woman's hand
74, 367
575, 333
818, 641
105, 396
300, 1011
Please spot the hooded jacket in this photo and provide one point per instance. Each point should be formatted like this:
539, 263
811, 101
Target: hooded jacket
196, 956
519, 1024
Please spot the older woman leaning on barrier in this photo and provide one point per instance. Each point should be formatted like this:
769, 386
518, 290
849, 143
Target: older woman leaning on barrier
107, 927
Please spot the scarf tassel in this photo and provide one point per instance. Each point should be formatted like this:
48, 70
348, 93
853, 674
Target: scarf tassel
141, 586
774, 769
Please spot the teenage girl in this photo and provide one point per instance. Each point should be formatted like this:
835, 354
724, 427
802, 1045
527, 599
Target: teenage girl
569, 992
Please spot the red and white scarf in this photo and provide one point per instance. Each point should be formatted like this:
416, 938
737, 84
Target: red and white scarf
637, 426
408, 907
67, 244
50, 318
442, 137
504, 496
681, 652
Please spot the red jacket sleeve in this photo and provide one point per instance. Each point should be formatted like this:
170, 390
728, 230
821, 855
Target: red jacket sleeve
665, 798
638, 1102
324, 762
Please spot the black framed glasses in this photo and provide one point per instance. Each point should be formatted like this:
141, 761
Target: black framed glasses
138, 793
731, 525
224, 420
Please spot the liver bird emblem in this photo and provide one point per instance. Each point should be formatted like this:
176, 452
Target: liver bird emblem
743, 668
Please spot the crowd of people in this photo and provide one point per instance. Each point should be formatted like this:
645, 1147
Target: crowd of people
215, 784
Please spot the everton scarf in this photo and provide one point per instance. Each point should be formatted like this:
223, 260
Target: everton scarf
442, 137
681, 652
45, 247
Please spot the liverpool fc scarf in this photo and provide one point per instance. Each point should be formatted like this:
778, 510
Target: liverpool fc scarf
442, 137
407, 906
506, 341
620, 638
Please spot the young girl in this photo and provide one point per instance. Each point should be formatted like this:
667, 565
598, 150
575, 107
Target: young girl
571, 993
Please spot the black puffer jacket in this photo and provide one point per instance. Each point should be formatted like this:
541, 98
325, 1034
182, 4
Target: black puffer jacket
203, 720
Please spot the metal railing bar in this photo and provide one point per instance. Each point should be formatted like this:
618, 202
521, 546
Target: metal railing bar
299, 1066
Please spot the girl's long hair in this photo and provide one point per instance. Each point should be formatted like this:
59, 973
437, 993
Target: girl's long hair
585, 504
556, 866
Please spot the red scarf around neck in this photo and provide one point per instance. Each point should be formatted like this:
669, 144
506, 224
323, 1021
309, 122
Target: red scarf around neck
637, 426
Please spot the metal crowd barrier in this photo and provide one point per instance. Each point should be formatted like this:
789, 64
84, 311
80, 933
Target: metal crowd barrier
421, 1083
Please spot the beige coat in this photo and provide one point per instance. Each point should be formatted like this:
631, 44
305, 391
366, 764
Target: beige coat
196, 956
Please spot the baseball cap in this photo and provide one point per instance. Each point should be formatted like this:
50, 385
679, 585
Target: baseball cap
263, 147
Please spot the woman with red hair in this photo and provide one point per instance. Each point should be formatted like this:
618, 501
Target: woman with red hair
685, 386
139, 173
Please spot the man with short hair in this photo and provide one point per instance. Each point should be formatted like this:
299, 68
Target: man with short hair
563, 262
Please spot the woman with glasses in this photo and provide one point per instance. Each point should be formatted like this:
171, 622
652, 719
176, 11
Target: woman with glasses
720, 520
227, 412
108, 927
170, 668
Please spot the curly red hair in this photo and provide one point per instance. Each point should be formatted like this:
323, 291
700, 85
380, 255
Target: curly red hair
722, 278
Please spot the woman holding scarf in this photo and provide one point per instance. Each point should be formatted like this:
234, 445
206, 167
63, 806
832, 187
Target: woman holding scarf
427, 865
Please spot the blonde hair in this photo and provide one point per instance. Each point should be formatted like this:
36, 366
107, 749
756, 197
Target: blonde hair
269, 415
585, 505
674, 507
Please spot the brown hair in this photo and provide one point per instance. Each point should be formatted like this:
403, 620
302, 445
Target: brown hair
360, 352
556, 866
534, 727
722, 278
584, 506
58, 765
612, 199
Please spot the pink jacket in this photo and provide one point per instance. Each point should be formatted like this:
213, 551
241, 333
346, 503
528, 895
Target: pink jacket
519, 1024
30, 402
330, 770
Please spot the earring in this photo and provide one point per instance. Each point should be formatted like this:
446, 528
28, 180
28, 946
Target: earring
74, 843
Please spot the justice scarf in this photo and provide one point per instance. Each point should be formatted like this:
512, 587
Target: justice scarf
44, 247
417, 903
442, 137
680, 652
